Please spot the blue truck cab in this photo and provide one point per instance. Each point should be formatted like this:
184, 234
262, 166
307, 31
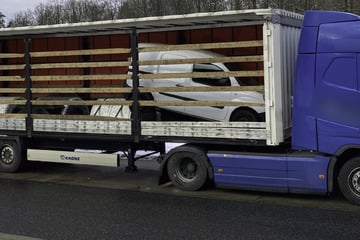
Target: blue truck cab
326, 116
325, 144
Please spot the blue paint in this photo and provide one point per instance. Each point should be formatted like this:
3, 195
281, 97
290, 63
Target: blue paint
275, 172
333, 136
339, 37
326, 115
316, 18
250, 170
304, 135
308, 40
308, 173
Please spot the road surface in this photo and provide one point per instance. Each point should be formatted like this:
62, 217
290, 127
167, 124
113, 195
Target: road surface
59, 201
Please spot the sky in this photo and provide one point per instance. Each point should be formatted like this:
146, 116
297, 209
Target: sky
10, 7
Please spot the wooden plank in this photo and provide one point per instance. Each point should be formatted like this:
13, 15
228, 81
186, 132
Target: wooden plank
12, 78
81, 90
12, 124
162, 124
12, 90
128, 63
16, 102
12, 67
64, 85
81, 126
198, 103
81, 52
258, 73
202, 132
98, 77
242, 44
142, 103
257, 58
81, 65
11, 55
203, 89
77, 117
13, 115
79, 103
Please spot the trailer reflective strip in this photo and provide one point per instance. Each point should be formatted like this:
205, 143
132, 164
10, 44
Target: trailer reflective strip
96, 159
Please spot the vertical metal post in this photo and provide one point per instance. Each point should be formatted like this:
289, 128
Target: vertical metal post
135, 108
86, 71
5, 62
28, 84
131, 167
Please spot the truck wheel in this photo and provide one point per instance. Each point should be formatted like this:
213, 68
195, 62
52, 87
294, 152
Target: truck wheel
10, 157
244, 115
349, 180
187, 170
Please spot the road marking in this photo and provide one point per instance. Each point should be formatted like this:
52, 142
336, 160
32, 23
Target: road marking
4, 236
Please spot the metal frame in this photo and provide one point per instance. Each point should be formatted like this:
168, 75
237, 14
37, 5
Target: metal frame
28, 82
280, 49
147, 24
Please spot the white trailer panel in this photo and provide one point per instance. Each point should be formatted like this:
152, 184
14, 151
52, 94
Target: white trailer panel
280, 50
103, 159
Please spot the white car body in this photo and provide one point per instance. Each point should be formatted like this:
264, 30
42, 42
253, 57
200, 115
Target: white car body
208, 112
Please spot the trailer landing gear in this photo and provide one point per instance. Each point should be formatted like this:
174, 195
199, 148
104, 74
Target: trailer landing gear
131, 160
130, 154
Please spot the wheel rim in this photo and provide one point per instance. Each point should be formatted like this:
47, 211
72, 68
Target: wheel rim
187, 170
354, 181
7, 154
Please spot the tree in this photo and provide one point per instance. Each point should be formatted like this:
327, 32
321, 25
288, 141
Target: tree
24, 18
71, 11
2, 20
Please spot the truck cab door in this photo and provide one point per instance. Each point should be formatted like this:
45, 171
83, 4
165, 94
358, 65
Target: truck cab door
337, 87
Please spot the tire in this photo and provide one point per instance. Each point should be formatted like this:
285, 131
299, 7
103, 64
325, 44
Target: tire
187, 170
10, 157
244, 115
349, 180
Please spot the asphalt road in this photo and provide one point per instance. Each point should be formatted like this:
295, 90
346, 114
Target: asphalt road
58, 211
58, 201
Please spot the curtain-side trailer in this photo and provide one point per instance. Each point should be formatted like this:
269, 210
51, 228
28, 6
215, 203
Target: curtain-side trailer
66, 87
72, 66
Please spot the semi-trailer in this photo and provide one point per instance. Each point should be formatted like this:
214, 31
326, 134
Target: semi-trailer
306, 68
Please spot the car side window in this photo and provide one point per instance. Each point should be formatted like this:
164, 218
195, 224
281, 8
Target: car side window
210, 80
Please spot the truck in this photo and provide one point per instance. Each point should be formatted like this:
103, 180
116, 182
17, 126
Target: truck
306, 68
